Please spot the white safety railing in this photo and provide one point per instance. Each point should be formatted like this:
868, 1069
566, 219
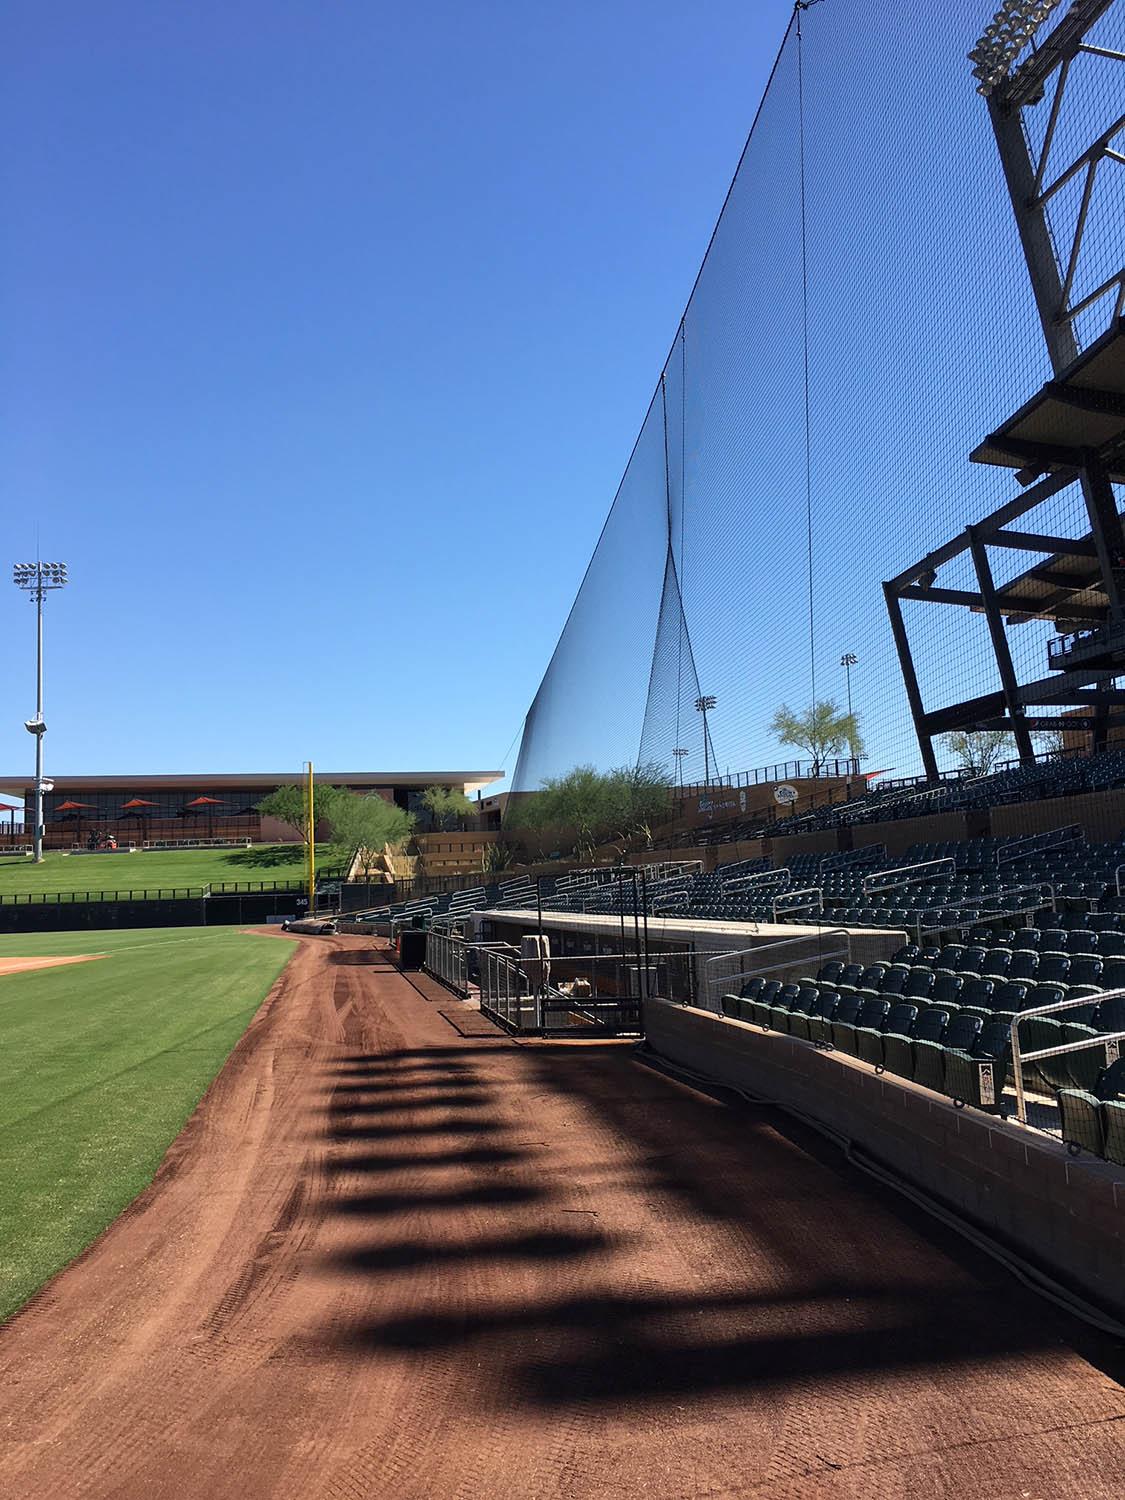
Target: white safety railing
780, 956
889, 880
811, 891
1110, 1040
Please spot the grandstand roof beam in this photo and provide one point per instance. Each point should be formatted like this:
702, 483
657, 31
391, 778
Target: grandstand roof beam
959, 715
1019, 505
1086, 398
934, 595
910, 680
1035, 541
999, 636
1074, 687
1105, 526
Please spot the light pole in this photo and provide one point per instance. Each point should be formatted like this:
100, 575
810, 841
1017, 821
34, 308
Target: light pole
848, 661
37, 579
679, 754
702, 704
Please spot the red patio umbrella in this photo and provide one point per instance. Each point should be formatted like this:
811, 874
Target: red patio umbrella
140, 802
76, 807
208, 802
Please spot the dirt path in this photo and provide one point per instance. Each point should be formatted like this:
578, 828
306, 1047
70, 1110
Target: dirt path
387, 1260
19, 965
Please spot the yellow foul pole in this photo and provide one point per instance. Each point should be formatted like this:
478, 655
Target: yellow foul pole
311, 814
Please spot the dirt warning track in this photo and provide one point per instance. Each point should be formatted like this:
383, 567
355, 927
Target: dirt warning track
386, 1259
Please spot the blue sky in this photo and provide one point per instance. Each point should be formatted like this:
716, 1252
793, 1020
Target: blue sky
328, 330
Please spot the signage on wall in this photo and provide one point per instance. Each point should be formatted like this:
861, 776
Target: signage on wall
785, 794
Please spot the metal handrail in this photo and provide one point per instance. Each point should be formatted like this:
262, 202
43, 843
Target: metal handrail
822, 955
446, 960
849, 858
1019, 890
809, 890
743, 882
1069, 833
925, 864
1014, 911
1019, 1058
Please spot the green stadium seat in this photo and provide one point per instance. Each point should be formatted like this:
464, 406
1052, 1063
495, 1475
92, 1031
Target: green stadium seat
1082, 1120
781, 1006
1035, 1034
1082, 1068
843, 1023
820, 1017
978, 1077
1113, 1122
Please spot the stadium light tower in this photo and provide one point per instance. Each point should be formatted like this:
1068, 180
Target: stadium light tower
703, 703
848, 661
1032, 187
679, 754
37, 579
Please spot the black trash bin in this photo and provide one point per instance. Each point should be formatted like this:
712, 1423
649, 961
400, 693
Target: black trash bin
411, 948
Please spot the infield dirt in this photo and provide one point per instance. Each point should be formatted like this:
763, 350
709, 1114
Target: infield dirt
388, 1260
20, 965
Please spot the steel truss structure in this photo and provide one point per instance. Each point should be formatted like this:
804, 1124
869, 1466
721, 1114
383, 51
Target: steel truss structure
1072, 432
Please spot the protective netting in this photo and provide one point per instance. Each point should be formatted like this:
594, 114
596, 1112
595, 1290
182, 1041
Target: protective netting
863, 318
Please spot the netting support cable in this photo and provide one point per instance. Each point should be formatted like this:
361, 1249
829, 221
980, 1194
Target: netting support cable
799, 6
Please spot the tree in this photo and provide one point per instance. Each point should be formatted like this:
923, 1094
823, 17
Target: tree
290, 805
979, 751
636, 798
447, 805
622, 803
368, 825
823, 730
349, 820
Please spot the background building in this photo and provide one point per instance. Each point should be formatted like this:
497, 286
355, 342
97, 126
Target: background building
188, 809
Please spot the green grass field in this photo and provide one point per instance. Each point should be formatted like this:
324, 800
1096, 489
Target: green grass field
102, 1064
157, 869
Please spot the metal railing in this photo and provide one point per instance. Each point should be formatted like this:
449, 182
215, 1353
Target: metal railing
447, 960
1109, 1040
786, 770
506, 992
887, 883
921, 929
1039, 843
781, 876
816, 905
848, 859
821, 954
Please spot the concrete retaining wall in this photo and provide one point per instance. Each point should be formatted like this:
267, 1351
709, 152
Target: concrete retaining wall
1064, 1214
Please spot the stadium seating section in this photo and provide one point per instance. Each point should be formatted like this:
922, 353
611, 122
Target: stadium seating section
995, 927
1056, 776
